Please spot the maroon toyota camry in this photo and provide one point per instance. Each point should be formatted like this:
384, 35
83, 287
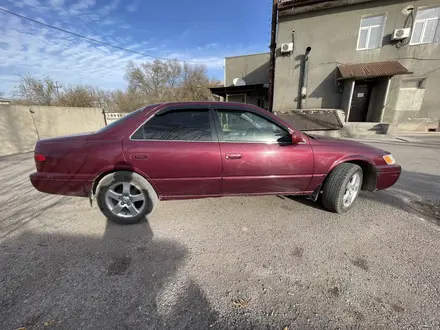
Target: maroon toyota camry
206, 149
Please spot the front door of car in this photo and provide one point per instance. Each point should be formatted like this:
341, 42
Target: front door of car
177, 150
258, 156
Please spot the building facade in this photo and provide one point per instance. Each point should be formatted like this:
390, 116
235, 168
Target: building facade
377, 60
246, 79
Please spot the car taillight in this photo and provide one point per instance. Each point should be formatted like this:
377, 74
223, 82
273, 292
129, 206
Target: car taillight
40, 160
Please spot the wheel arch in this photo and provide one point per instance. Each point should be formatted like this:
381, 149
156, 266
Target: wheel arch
103, 174
369, 172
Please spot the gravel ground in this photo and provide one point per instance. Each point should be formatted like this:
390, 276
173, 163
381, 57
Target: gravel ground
245, 263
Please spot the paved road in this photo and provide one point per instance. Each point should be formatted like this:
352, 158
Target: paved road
244, 263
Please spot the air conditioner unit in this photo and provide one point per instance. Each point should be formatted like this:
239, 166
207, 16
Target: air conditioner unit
287, 48
400, 34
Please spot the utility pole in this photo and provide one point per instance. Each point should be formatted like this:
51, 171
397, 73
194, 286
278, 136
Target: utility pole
57, 87
273, 48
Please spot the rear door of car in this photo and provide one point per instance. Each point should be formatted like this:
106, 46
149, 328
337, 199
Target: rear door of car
178, 150
258, 156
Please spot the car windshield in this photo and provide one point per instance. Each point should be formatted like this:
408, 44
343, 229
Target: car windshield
123, 119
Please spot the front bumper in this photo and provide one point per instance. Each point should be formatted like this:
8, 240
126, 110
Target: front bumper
387, 175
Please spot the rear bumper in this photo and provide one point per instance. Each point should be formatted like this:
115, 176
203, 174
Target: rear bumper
387, 175
60, 186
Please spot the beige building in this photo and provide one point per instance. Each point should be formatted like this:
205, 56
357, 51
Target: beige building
376, 60
246, 79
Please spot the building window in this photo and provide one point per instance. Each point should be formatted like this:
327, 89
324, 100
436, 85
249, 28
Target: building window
426, 28
371, 32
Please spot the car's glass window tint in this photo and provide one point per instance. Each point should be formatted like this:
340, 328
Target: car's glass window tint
183, 125
249, 127
123, 119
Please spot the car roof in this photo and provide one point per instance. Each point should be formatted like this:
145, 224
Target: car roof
203, 103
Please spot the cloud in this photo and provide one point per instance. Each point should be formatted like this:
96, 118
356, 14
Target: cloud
31, 3
107, 21
82, 5
30, 49
56, 3
107, 9
133, 6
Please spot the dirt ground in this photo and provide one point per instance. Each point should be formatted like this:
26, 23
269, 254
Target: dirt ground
233, 263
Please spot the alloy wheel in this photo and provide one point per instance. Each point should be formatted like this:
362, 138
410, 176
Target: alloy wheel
125, 199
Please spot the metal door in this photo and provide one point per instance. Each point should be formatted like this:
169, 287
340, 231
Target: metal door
359, 103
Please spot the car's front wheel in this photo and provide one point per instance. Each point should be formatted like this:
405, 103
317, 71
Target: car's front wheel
342, 187
125, 197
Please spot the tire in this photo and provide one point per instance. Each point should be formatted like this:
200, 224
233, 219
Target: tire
338, 185
125, 197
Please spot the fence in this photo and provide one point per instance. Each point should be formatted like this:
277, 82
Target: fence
23, 126
110, 117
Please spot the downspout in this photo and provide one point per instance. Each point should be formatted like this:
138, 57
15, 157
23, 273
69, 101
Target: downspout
305, 76
272, 59
347, 115
385, 99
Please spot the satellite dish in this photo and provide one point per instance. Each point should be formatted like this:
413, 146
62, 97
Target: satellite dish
238, 82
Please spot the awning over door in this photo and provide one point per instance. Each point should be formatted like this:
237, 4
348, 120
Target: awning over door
371, 70
222, 91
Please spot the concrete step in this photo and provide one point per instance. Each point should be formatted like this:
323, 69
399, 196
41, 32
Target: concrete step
363, 129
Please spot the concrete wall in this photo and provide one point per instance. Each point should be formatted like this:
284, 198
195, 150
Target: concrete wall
254, 69
17, 133
23, 126
333, 35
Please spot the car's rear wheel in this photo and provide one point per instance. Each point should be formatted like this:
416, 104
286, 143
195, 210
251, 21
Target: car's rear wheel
125, 197
342, 187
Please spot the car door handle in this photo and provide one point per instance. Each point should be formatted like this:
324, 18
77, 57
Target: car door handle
139, 156
233, 156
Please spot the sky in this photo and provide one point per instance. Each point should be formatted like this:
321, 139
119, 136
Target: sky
195, 31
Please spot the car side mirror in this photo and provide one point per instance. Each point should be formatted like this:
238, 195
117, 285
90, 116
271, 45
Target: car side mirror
296, 138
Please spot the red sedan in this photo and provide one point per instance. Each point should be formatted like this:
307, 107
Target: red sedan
195, 150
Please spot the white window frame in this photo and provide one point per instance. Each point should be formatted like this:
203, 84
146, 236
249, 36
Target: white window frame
425, 21
384, 16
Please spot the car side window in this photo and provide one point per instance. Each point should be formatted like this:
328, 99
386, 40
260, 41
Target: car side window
179, 125
244, 126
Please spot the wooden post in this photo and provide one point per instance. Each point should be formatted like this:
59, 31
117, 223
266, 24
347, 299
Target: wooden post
273, 47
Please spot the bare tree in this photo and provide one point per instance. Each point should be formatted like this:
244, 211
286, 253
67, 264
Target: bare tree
77, 96
35, 91
31, 90
158, 81
162, 81
195, 84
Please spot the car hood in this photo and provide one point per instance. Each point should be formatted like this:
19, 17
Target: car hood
330, 141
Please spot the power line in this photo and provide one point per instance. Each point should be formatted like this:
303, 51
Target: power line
97, 41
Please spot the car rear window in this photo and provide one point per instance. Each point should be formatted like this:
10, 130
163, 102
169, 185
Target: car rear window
178, 125
123, 119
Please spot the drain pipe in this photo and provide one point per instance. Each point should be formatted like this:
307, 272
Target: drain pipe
305, 76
